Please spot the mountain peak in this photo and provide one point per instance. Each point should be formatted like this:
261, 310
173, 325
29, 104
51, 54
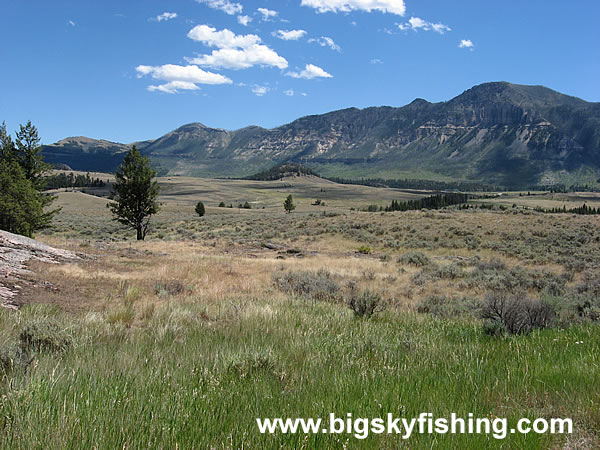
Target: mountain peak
503, 133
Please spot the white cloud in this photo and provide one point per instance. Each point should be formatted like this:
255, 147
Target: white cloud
325, 41
260, 90
234, 51
172, 87
182, 74
385, 6
165, 16
267, 14
233, 58
289, 92
304, 94
466, 43
416, 24
292, 35
222, 39
224, 5
72, 23
244, 20
310, 71
376, 61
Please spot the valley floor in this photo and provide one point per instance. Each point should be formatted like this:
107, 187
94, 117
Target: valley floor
184, 340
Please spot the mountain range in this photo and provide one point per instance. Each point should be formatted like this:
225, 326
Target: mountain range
498, 133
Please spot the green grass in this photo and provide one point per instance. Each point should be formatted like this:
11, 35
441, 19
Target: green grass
136, 366
188, 381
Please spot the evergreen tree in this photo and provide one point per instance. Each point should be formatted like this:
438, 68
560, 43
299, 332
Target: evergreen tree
288, 204
8, 152
200, 210
135, 192
21, 206
21, 201
29, 152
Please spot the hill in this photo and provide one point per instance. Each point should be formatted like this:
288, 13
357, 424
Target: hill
498, 133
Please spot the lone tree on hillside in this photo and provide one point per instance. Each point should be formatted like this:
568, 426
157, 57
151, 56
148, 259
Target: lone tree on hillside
200, 210
135, 192
288, 205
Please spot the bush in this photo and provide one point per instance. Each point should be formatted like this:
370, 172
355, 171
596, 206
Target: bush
442, 306
494, 328
43, 335
414, 258
13, 358
448, 272
364, 250
253, 365
518, 315
364, 304
315, 285
168, 288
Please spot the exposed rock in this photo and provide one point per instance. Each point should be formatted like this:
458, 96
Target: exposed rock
15, 252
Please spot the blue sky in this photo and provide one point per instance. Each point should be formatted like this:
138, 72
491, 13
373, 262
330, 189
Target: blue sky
134, 70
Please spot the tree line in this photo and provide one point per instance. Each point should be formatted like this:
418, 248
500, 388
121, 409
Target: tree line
62, 180
432, 202
429, 185
584, 210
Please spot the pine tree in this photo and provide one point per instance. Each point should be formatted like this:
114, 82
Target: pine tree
135, 192
29, 152
22, 201
21, 206
8, 152
200, 210
288, 204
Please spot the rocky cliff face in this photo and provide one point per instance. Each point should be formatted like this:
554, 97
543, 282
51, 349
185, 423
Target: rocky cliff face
497, 132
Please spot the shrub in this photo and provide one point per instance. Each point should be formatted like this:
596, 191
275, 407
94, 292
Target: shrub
44, 335
364, 250
414, 258
516, 314
167, 288
448, 272
442, 306
253, 364
494, 328
365, 304
315, 285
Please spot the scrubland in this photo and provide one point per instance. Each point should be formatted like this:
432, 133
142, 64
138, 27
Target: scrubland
182, 341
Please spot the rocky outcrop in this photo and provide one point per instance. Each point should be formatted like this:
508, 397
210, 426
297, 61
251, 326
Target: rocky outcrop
15, 252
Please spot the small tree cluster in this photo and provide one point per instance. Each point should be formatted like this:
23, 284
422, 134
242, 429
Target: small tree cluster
23, 206
431, 202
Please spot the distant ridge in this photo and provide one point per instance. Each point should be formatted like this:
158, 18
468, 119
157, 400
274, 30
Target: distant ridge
496, 133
